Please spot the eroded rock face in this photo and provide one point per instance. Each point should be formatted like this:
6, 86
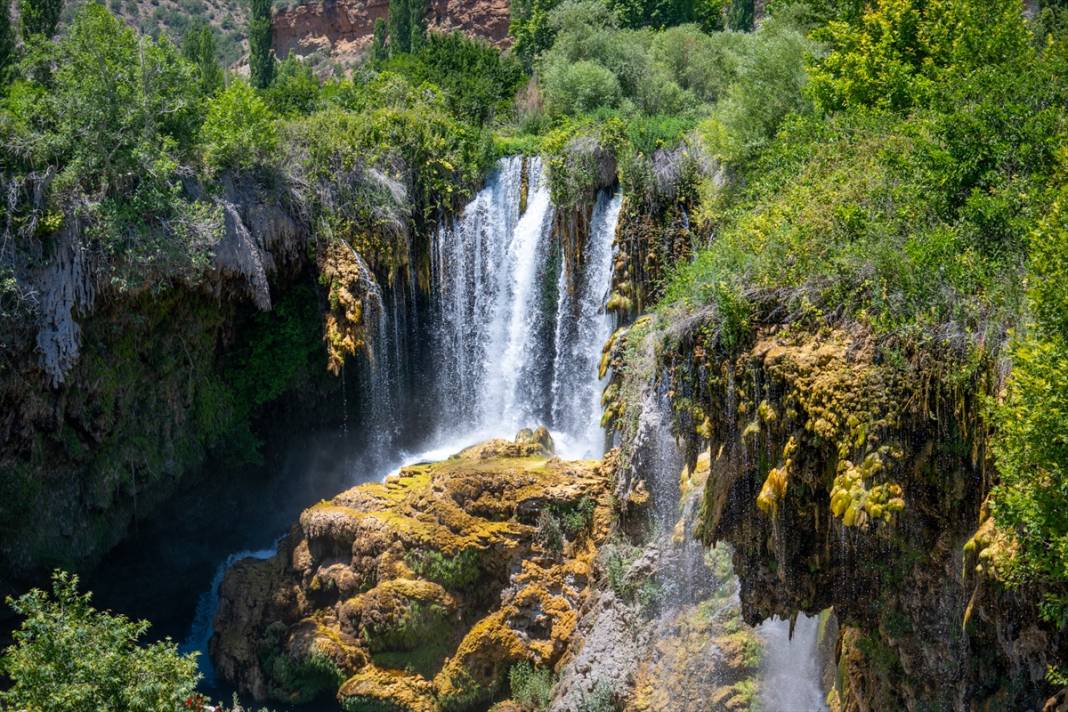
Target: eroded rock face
344, 28
843, 480
421, 592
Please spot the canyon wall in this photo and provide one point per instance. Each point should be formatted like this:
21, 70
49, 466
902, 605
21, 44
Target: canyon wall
342, 29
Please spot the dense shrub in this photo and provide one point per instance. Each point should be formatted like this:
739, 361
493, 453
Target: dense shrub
531, 687
69, 657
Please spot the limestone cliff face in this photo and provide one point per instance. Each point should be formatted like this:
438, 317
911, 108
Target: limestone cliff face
343, 28
842, 479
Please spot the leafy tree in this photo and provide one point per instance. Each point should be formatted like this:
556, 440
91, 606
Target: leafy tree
199, 48
69, 657
239, 129
379, 50
899, 51
261, 56
40, 17
477, 79
418, 24
531, 28
114, 102
400, 27
295, 90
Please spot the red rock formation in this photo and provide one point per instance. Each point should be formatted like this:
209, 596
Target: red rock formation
343, 28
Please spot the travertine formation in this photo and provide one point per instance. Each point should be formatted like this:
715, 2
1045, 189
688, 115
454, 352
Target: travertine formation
421, 592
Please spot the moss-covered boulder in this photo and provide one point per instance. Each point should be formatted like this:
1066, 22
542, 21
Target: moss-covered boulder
420, 592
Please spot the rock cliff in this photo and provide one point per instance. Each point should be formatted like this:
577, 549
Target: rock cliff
341, 29
843, 478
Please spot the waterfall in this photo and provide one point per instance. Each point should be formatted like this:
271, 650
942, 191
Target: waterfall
512, 347
196, 641
582, 328
791, 674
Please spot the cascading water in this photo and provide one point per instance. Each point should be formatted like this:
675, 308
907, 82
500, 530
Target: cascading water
582, 328
201, 630
503, 359
791, 673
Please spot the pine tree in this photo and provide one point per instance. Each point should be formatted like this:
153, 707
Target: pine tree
261, 58
7, 39
199, 48
418, 11
40, 17
379, 51
400, 31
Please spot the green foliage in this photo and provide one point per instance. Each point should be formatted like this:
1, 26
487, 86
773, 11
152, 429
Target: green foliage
531, 28
531, 687
261, 56
899, 51
379, 50
909, 225
601, 699
7, 41
1031, 501
69, 657
457, 573
477, 80
418, 10
111, 101
767, 81
239, 129
40, 17
400, 27
198, 47
295, 90
549, 533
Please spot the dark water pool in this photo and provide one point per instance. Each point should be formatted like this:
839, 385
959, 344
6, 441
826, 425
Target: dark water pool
168, 563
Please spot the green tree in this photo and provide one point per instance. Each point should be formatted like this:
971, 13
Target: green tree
418, 24
295, 91
40, 17
899, 51
379, 50
239, 129
69, 657
199, 48
261, 56
114, 104
532, 29
400, 27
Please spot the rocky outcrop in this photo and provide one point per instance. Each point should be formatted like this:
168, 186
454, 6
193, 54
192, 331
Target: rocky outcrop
421, 592
845, 479
342, 29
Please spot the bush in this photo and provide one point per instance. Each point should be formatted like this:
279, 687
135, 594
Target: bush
580, 87
69, 657
549, 534
457, 572
239, 130
531, 687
